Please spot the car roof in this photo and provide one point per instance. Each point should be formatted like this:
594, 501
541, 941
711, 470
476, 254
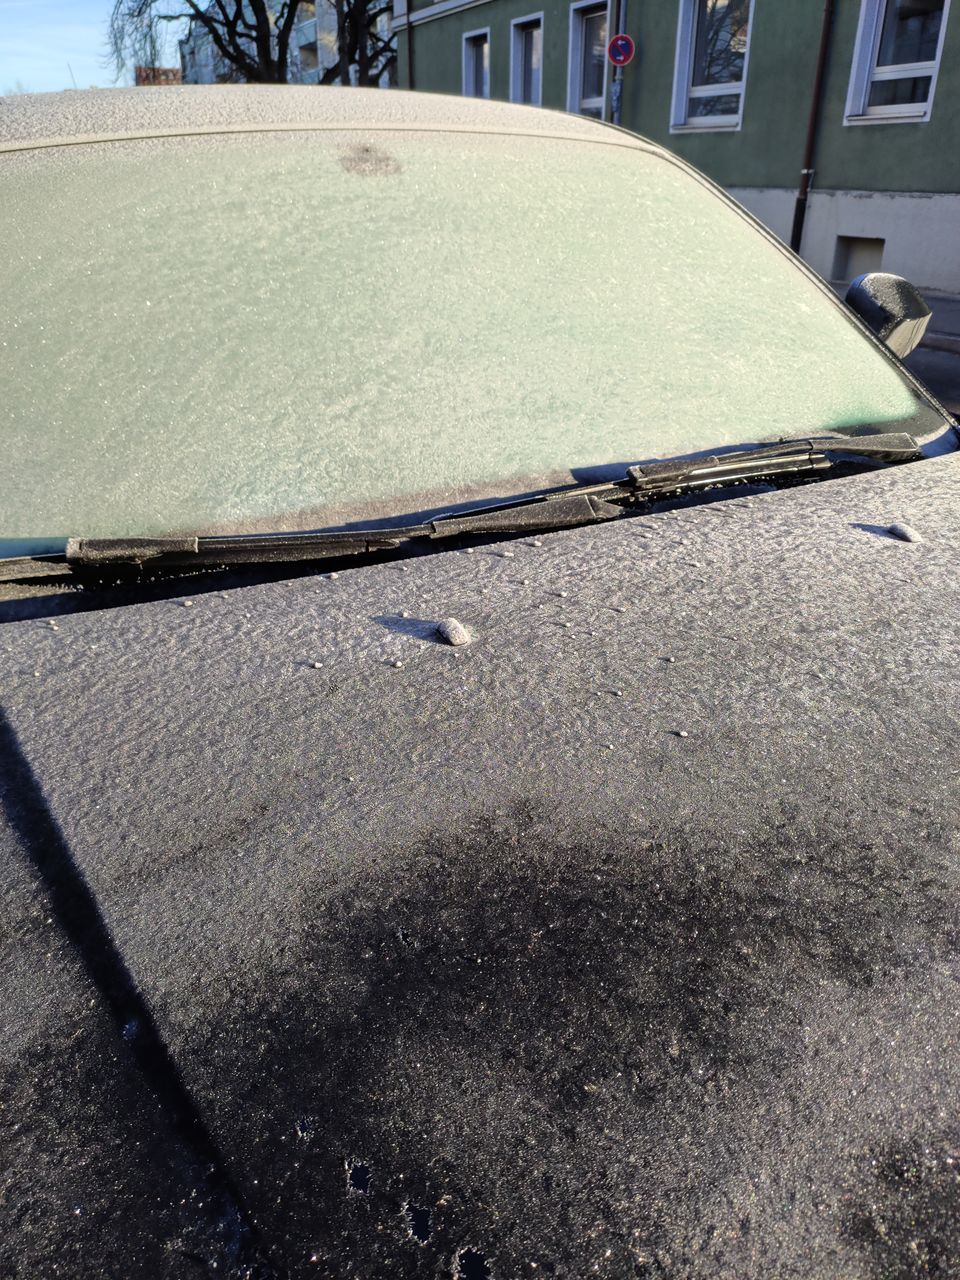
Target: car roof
70, 117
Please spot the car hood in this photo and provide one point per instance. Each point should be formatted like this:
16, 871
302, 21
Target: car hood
622, 941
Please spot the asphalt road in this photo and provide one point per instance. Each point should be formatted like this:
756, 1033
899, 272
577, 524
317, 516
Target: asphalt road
940, 371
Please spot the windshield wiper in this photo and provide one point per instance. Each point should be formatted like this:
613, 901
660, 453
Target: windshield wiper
564, 508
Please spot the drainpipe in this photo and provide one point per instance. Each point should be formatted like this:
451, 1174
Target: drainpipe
806, 171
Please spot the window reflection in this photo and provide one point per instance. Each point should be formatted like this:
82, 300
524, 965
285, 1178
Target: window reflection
911, 30
721, 41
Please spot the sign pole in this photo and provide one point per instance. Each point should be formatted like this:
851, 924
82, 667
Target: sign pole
620, 51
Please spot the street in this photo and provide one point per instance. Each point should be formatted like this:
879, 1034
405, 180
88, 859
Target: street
937, 362
940, 371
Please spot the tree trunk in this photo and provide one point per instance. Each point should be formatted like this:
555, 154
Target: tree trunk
263, 39
343, 41
363, 42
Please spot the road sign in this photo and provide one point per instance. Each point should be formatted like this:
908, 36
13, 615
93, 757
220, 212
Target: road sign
621, 49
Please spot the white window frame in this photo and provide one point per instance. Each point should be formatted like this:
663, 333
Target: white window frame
468, 64
864, 71
575, 55
516, 56
684, 89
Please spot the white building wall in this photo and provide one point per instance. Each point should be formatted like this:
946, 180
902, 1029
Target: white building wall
197, 59
320, 32
921, 232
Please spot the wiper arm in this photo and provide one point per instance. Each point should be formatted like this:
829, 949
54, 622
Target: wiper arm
565, 508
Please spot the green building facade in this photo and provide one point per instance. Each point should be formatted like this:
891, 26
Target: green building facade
729, 85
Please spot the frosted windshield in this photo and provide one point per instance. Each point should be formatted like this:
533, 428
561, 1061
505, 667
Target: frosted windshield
291, 330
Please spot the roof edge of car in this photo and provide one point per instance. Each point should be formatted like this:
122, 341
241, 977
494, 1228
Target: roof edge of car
608, 138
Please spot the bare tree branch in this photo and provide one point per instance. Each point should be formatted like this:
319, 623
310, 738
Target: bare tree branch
224, 38
253, 37
285, 19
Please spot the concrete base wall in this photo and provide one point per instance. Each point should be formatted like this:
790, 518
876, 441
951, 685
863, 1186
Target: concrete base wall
921, 232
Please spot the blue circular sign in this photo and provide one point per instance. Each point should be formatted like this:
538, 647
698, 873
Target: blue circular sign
621, 49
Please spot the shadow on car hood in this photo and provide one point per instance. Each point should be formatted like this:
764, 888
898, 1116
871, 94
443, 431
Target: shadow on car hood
621, 941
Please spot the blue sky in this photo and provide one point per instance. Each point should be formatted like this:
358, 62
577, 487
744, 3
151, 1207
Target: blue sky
39, 38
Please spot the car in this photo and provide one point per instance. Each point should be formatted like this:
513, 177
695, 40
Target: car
479, 709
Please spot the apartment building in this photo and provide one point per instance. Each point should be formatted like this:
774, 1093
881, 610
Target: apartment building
732, 86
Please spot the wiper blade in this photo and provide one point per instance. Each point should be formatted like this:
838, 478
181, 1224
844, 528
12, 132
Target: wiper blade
549, 512
565, 508
807, 454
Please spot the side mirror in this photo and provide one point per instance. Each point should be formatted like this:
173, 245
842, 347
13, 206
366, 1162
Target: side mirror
892, 308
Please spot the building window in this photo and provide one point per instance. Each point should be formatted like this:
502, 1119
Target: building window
476, 64
587, 79
309, 56
896, 59
713, 40
526, 59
